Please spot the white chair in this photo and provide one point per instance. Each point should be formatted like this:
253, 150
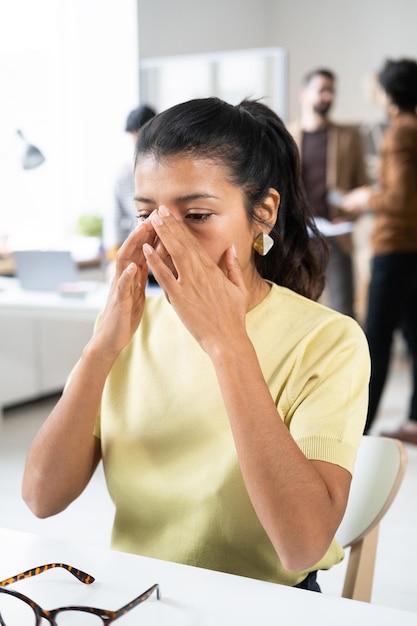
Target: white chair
379, 471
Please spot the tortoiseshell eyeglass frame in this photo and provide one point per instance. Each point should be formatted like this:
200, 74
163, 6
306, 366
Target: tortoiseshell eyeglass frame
107, 616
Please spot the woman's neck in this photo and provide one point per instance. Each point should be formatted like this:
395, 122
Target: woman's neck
258, 291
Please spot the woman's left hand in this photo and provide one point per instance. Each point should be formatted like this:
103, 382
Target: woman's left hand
210, 302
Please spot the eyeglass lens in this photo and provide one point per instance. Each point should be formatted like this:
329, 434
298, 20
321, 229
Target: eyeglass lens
16, 612
77, 618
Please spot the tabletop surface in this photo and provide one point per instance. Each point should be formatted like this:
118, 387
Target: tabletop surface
189, 595
92, 294
91, 298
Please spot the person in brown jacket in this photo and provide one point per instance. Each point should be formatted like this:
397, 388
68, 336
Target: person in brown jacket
332, 163
392, 298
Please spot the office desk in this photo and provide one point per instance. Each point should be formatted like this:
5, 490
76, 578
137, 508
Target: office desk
41, 338
190, 596
42, 335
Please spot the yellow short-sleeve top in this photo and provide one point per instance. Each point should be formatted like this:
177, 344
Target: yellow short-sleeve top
168, 452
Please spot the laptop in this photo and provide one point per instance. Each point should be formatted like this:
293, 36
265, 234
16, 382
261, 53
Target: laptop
44, 270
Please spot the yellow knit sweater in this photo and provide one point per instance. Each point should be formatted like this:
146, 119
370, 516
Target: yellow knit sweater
168, 452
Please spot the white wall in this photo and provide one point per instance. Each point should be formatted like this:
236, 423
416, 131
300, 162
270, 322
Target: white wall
353, 37
69, 76
189, 26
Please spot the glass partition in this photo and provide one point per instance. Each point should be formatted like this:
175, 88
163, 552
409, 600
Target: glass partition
254, 73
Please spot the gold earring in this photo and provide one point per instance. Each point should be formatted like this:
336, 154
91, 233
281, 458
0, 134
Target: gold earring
263, 243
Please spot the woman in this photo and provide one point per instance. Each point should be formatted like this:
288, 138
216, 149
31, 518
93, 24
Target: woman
392, 298
227, 413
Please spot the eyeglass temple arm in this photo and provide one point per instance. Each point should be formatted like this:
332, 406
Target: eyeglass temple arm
79, 574
143, 596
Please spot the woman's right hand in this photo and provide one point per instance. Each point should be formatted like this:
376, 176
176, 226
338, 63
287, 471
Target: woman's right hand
126, 300
65, 452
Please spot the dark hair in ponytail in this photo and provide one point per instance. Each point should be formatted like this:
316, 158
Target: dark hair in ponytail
251, 142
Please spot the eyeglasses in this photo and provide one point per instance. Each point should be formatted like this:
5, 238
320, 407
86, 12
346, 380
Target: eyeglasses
17, 609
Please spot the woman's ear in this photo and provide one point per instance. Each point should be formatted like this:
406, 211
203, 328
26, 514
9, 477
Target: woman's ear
267, 211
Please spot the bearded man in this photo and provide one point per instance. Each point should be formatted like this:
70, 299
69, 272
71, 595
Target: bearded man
332, 161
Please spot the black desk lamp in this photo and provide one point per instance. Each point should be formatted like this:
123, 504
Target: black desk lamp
32, 156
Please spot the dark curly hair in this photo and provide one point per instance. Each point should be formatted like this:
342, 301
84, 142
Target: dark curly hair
254, 147
399, 80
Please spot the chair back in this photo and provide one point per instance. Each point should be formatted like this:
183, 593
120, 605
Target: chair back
379, 470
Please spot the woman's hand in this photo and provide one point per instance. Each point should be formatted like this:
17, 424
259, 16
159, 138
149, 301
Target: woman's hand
211, 303
124, 307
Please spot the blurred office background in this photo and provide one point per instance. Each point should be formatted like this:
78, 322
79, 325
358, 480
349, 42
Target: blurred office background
70, 72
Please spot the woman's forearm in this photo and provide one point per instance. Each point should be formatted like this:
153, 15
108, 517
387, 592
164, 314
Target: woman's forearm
299, 502
65, 453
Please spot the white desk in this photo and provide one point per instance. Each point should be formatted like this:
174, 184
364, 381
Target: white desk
190, 596
41, 338
42, 335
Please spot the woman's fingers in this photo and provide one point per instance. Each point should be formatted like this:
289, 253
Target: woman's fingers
233, 269
128, 279
163, 274
177, 254
123, 311
131, 249
175, 238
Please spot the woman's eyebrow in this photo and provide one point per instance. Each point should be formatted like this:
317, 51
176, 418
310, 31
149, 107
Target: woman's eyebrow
144, 200
197, 196
186, 198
